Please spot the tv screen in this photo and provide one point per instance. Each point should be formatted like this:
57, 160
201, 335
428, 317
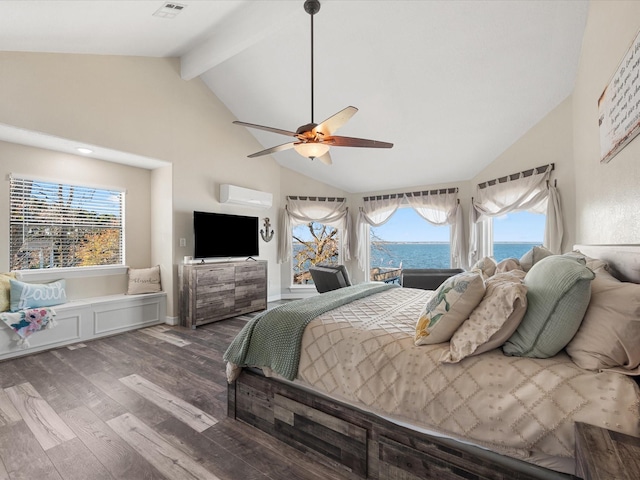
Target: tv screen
222, 235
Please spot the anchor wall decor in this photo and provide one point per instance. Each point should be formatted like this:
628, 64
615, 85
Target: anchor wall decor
269, 234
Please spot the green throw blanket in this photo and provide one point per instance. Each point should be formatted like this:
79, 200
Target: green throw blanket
273, 338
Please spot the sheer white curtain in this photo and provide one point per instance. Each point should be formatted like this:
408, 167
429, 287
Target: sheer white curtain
554, 226
325, 210
441, 207
517, 193
375, 212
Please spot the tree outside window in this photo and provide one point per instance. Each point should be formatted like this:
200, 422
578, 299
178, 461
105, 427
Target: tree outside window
55, 225
313, 243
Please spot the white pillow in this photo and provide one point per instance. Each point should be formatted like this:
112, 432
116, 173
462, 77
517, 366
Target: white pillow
609, 335
486, 266
449, 306
508, 264
533, 256
493, 321
144, 280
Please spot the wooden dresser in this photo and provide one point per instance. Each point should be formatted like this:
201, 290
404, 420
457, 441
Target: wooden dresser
214, 291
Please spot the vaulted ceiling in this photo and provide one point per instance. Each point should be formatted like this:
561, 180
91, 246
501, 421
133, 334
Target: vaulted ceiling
451, 83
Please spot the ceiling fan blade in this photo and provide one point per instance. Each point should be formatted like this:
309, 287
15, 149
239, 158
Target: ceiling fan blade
268, 129
326, 159
279, 148
333, 123
356, 142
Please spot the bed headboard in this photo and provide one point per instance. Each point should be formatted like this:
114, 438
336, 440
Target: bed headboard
624, 260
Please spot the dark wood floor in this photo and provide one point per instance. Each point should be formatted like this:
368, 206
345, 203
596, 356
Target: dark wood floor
149, 404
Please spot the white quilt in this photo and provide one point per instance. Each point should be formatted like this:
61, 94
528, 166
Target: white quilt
363, 353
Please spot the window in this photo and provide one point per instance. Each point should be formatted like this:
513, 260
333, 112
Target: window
407, 241
516, 233
55, 225
313, 243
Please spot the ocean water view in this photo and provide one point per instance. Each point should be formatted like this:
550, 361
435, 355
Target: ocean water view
433, 255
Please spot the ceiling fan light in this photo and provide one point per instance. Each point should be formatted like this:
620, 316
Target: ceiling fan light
311, 149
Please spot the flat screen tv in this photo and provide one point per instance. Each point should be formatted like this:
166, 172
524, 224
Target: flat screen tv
223, 235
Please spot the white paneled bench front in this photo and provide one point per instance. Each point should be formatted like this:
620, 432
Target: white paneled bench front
89, 318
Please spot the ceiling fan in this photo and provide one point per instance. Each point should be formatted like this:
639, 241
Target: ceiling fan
314, 140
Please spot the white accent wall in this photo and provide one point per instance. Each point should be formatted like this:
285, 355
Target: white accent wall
607, 195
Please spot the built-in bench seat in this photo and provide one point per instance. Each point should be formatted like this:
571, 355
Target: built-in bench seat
89, 318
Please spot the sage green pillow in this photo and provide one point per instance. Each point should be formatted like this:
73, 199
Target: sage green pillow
558, 293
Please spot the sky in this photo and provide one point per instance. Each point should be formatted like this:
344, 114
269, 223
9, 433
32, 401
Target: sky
407, 226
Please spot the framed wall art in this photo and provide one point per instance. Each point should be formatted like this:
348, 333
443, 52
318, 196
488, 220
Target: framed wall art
619, 105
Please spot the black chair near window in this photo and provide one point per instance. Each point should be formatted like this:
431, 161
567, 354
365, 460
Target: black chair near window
329, 277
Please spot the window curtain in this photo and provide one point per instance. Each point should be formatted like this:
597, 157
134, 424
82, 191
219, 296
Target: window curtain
439, 207
517, 193
375, 212
554, 226
300, 210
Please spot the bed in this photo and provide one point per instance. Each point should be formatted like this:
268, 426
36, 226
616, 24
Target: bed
363, 396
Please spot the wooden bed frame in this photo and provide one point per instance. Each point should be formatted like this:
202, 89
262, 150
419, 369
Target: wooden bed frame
371, 447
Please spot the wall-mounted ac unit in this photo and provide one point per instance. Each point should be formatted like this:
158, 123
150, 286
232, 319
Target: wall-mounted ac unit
245, 196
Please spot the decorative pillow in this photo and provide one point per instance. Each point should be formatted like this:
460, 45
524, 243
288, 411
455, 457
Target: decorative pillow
610, 332
577, 256
591, 263
533, 256
595, 264
558, 292
34, 295
486, 266
493, 321
508, 264
5, 288
449, 306
144, 280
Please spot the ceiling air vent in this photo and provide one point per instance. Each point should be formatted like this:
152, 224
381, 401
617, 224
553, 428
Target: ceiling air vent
169, 10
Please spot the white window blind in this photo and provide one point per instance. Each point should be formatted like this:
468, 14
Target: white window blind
56, 225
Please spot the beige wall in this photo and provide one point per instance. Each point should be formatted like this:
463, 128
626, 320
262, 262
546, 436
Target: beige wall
550, 141
607, 195
162, 246
142, 106
55, 166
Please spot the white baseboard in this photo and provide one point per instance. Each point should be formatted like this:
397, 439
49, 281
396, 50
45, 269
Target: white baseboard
172, 320
274, 298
